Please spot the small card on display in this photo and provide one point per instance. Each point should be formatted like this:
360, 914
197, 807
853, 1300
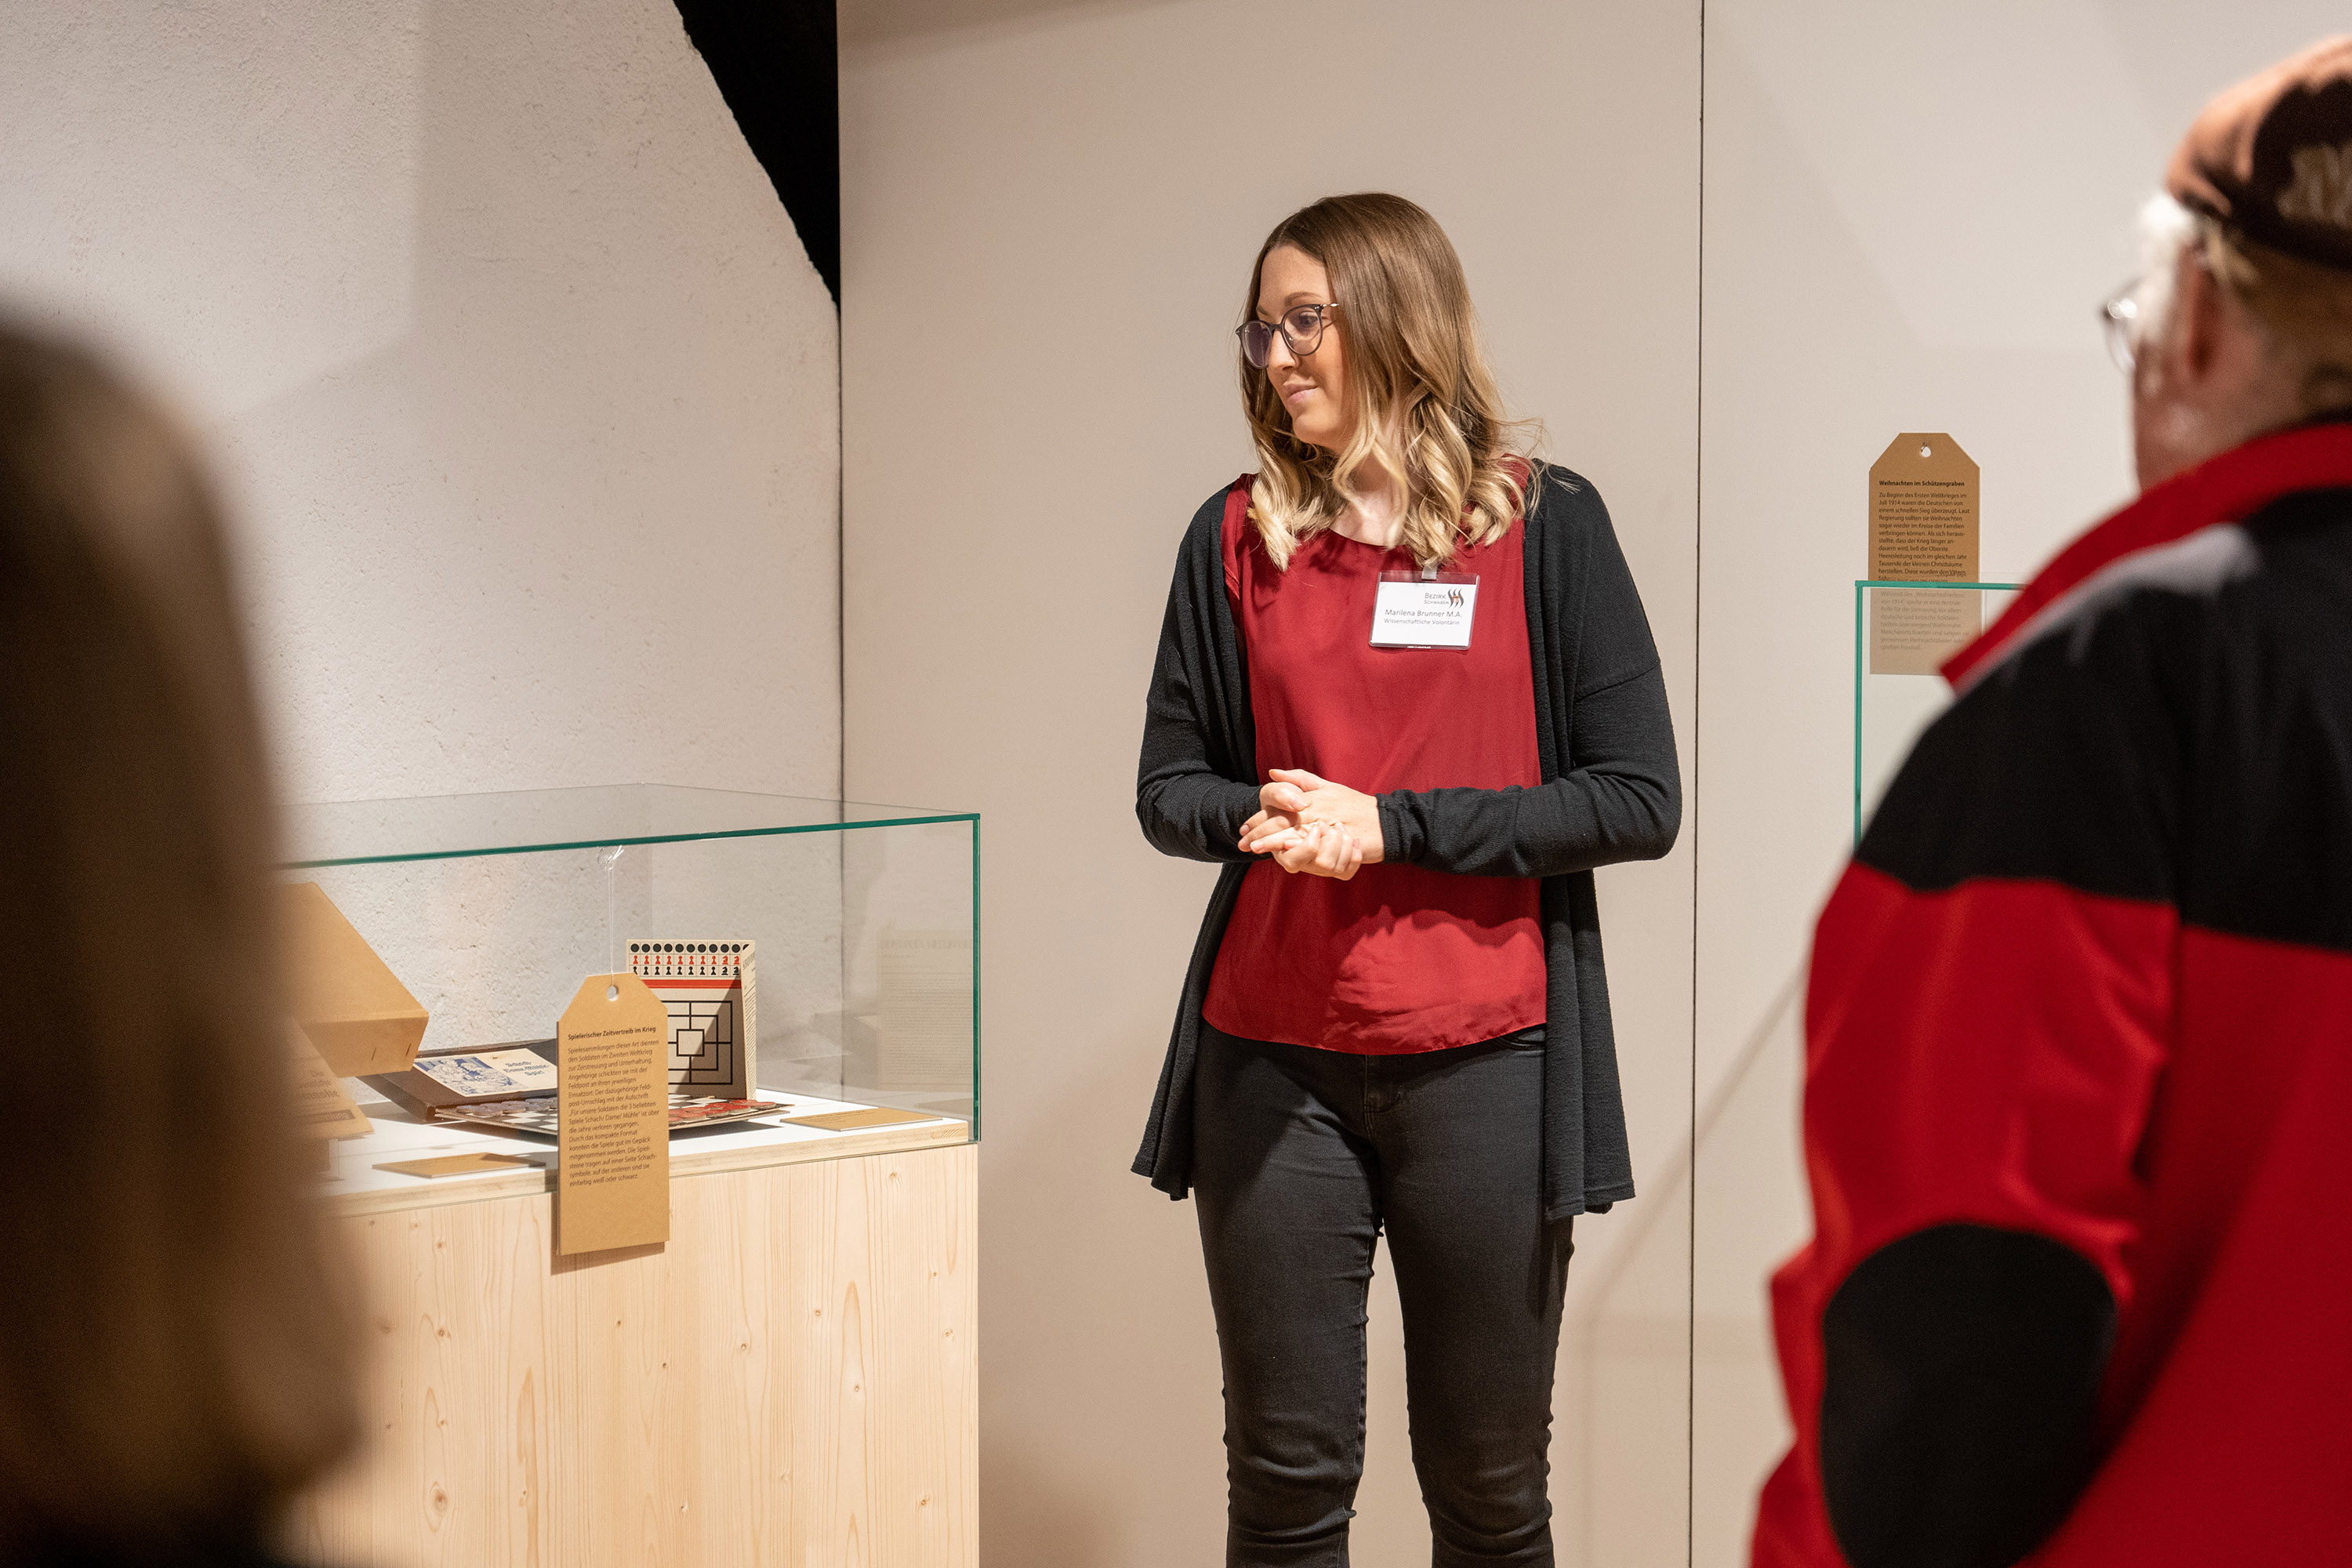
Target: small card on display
1424, 609
448, 1081
440, 1166
545, 1116
513, 1074
852, 1120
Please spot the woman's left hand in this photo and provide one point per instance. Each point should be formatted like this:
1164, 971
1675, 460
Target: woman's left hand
1351, 811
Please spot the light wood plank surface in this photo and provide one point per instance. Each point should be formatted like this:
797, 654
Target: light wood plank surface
790, 1380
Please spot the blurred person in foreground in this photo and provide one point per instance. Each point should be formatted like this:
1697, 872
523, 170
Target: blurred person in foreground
175, 1349
2078, 1103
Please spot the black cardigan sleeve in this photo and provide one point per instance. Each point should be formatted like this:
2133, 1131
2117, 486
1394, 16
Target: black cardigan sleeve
1621, 799
1191, 788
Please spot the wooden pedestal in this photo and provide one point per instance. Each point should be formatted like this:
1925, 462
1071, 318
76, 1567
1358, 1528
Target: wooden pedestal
790, 1381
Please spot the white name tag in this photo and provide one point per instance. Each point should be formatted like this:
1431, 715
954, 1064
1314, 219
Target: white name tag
1410, 610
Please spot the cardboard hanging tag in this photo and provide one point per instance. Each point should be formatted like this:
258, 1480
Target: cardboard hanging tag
323, 1108
348, 1001
612, 1136
1924, 514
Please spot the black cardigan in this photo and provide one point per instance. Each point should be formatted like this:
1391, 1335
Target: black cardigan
1611, 793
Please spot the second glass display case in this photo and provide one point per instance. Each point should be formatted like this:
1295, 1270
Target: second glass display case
1902, 633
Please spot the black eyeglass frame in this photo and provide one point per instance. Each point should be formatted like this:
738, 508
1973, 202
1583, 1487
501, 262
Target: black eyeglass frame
1301, 344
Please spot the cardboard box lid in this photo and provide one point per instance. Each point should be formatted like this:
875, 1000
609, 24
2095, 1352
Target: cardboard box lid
355, 1010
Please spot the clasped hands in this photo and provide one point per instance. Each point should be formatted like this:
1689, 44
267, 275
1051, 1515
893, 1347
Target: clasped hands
1310, 825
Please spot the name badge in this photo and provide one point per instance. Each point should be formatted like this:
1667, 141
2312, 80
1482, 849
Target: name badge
1424, 609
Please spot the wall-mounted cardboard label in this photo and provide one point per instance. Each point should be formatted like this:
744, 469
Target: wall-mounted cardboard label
613, 1140
1923, 529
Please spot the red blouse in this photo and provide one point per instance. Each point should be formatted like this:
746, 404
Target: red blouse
1397, 959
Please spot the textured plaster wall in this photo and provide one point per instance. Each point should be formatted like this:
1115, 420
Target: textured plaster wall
523, 389
525, 397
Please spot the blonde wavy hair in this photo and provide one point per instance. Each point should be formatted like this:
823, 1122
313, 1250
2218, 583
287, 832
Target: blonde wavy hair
1427, 411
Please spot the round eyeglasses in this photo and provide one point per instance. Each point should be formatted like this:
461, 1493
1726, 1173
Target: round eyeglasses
2120, 317
1301, 328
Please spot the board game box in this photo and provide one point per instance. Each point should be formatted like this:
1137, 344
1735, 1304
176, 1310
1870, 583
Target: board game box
708, 988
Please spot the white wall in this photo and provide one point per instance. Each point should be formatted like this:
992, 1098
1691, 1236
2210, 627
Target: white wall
1049, 219
1912, 213
525, 391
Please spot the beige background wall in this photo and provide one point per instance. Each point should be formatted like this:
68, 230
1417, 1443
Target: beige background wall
1912, 213
1049, 217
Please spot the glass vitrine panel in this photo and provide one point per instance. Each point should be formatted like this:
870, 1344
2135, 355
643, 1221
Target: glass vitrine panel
862, 919
1903, 632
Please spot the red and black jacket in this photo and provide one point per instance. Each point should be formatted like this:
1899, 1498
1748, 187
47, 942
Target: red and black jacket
2078, 1103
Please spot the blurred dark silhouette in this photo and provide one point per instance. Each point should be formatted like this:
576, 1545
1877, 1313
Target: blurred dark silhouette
177, 1334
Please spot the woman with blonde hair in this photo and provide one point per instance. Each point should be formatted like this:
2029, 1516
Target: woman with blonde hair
1406, 692
176, 1344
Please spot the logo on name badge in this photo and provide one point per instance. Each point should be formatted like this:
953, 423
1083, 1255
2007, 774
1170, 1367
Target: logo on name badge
1454, 597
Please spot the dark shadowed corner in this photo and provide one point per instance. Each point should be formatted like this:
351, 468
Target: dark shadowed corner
775, 62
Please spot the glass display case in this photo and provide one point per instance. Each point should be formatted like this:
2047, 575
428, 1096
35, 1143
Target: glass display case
1902, 633
859, 925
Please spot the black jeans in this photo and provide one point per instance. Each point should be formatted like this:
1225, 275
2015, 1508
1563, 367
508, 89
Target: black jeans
1301, 1157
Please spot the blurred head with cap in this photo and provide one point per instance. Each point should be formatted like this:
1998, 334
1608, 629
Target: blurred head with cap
2241, 322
